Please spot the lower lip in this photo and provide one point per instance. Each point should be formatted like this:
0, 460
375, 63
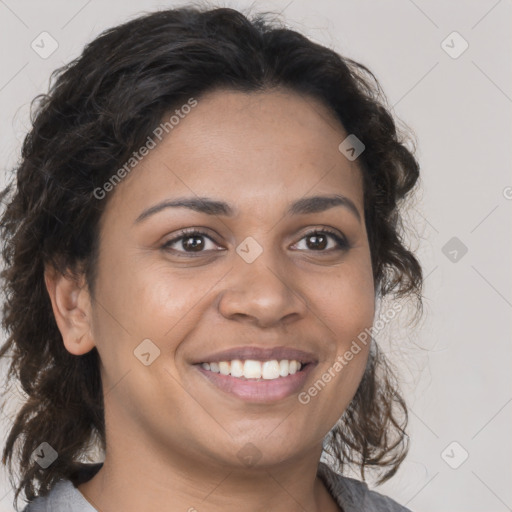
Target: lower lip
259, 391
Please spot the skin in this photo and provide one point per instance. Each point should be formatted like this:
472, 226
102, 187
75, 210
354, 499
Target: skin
172, 437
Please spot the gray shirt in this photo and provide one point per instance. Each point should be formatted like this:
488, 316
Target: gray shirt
350, 495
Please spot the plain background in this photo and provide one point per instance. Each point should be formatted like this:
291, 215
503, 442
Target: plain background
455, 365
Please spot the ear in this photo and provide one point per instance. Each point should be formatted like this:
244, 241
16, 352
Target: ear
71, 305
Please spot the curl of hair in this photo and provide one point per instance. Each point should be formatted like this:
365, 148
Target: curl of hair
99, 109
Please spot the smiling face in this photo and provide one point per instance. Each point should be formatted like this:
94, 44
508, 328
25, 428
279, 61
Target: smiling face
256, 277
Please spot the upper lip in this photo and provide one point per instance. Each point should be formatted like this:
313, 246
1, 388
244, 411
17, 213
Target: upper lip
260, 354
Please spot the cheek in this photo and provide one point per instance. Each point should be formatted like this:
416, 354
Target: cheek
345, 301
148, 301
143, 298
347, 307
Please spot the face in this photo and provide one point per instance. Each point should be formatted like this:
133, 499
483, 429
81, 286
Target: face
269, 275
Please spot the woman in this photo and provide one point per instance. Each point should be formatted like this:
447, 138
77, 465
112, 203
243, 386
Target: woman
205, 217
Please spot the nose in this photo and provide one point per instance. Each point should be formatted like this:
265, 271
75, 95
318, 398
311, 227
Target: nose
262, 293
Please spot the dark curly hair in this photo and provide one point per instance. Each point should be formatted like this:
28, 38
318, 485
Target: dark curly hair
99, 109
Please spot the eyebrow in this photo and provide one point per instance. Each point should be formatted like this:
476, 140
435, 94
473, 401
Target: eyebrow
306, 205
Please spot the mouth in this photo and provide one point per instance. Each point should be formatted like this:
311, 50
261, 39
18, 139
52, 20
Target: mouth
256, 371
258, 375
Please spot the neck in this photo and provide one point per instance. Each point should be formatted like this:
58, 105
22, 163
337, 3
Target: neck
134, 478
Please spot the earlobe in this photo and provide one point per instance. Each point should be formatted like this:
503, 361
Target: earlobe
71, 304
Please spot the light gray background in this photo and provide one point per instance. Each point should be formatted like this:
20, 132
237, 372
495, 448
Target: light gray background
455, 365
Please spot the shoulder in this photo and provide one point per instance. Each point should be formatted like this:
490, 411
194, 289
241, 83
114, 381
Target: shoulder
353, 495
64, 496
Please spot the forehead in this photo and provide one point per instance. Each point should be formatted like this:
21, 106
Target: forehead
248, 149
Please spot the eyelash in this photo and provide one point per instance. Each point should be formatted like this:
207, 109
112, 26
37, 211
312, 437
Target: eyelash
191, 232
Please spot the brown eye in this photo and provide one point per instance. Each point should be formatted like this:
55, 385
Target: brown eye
190, 242
319, 241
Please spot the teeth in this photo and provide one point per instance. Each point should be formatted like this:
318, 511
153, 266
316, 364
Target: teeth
237, 368
270, 370
224, 368
252, 369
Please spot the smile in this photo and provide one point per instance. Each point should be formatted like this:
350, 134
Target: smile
257, 381
252, 369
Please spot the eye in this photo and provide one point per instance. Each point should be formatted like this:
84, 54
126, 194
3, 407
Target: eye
319, 241
193, 241
190, 241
